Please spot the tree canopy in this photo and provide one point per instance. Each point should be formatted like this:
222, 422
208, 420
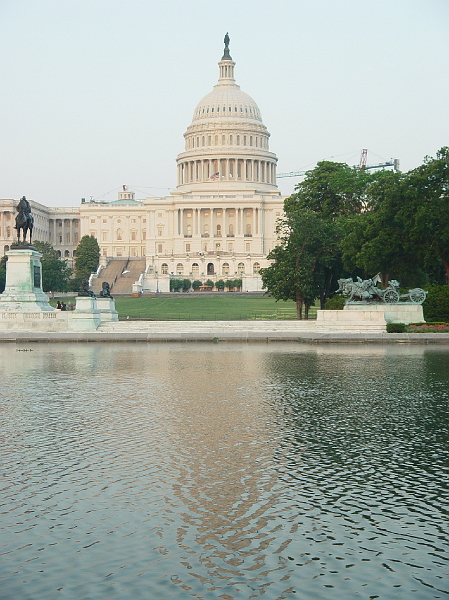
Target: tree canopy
55, 272
87, 257
342, 221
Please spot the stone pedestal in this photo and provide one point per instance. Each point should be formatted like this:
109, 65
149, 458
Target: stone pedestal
86, 316
396, 312
106, 308
361, 321
23, 290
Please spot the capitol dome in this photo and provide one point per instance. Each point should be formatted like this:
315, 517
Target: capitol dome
227, 142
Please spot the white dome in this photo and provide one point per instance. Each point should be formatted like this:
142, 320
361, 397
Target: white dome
227, 101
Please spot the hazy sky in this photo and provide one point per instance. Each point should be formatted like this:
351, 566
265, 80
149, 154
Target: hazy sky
98, 93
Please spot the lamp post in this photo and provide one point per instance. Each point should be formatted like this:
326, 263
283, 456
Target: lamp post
157, 283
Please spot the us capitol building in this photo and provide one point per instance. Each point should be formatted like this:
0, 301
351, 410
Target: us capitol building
219, 222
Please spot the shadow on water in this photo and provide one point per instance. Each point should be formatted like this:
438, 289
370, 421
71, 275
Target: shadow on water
224, 471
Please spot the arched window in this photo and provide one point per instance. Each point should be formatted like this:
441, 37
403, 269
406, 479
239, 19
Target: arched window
164, 268
218, 230
231, 229
195, 269
66, 253
6, 248
210, 269
179, 269
241, 269
248, 229
59, 253
189, 230
118, 234
256, 267
225, 269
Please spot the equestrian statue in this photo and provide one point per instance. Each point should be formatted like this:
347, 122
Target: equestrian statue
24, 220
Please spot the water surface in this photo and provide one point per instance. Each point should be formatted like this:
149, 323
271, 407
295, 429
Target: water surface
179, 471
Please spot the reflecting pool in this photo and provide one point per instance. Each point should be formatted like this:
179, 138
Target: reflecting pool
180, 471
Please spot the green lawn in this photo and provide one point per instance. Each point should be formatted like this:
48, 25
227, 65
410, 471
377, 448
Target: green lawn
188, 308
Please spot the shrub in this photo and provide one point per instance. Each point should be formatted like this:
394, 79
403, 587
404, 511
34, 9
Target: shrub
197, 284
337, 302
436, 305
395, 327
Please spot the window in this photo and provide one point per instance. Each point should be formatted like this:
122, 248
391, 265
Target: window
247, 247
179, 269
66, 253
159, 248
144, 234
92, 220
164, 268
67, 238
133, 220
133, 234
187, 247
195, 269
118, 234
159, 230
104, 236
241, 269
225, 269
230, 247
105, 251
105, 220
60, 239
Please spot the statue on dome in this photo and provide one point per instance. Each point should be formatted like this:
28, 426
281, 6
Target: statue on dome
226, 55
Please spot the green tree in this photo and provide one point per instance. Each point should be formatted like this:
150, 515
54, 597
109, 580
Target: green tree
308, 244
220, 284
55, 272
87, 257
197, 284
3, 273
175, 285
186, 285
210, 283
427, 210
331, 190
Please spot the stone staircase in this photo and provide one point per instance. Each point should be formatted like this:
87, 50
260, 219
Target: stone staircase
112, 270
124, 282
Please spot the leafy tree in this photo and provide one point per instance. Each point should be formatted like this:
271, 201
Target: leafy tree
436, 306
220, 284
427, 210
209, 283
55, 272
331, 190
197, 284
175, 285
3, 261
308, 244
186, 285
87, 256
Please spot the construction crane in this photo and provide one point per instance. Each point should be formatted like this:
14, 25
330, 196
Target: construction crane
393, 162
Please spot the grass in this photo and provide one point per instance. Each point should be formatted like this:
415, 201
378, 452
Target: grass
188, 308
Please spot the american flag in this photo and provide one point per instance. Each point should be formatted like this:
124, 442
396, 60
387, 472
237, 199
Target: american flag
215, 176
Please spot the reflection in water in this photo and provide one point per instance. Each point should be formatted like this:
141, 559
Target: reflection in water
227, 471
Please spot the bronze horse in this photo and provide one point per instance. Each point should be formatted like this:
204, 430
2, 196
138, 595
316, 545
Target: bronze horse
24, 220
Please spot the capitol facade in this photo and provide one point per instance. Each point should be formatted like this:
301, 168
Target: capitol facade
219, 222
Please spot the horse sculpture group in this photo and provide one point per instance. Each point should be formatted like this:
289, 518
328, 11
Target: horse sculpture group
366, 290
24, 220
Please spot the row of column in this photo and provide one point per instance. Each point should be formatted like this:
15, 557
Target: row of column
195, 225
227, 169
56, 230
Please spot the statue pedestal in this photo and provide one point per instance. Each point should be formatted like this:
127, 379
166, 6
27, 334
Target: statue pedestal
396, 312
361, 321
86, 316
23, 289
106, 308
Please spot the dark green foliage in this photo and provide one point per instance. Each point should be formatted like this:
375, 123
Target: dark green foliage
436, 305
220, 284
308, 246
55, 272
175, 285
186, 285
209, 283
87, 257
396, 327
197, 284
3, 273
337, 302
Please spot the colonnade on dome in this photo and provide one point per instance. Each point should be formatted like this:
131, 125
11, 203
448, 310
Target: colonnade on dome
245, 170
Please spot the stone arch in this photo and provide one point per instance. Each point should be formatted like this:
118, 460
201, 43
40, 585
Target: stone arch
210, 269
